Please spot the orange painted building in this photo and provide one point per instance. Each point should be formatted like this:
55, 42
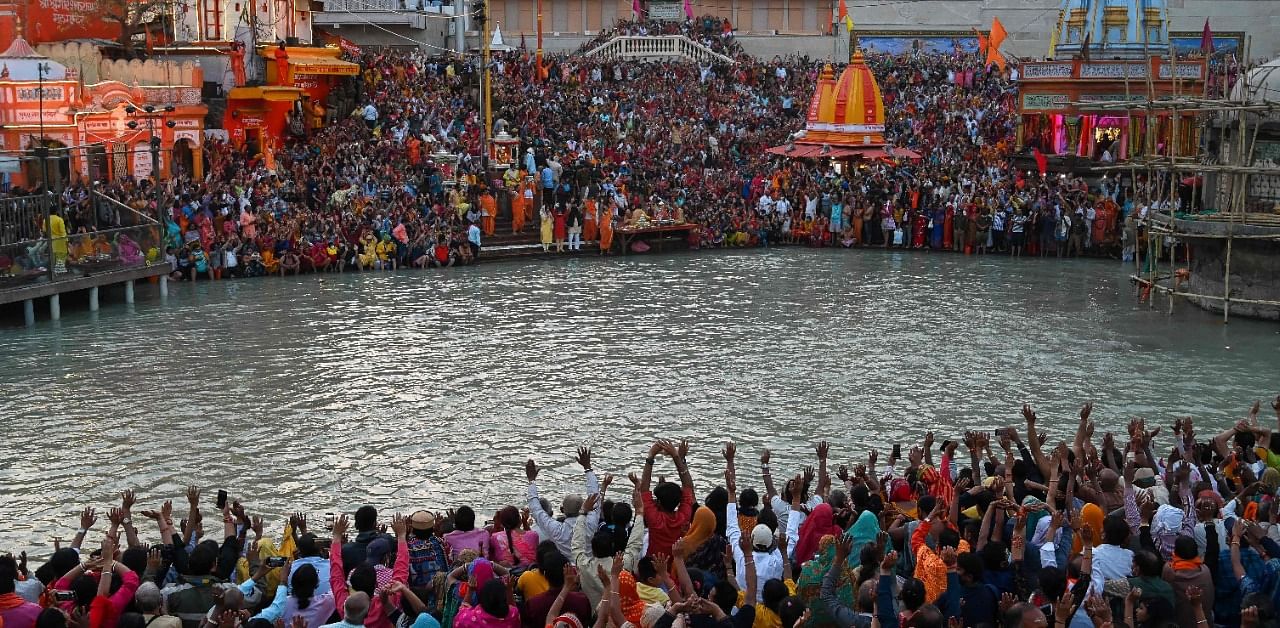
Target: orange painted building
86, 125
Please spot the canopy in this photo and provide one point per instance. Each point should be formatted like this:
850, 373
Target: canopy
811, 151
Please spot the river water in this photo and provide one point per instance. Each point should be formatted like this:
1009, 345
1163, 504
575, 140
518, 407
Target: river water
430, 389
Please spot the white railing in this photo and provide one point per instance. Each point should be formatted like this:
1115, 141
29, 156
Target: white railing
657, 47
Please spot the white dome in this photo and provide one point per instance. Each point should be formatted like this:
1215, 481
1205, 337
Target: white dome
1264, 83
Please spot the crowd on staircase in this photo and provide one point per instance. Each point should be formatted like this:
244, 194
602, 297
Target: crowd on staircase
395, 184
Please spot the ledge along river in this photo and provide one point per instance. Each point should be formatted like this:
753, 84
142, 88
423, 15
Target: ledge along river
429, 389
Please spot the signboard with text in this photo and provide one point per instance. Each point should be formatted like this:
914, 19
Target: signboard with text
60, 20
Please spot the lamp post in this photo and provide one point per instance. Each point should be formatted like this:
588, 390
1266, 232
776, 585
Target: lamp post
42, 149
154, 143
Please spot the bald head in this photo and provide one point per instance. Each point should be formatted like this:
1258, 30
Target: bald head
232, 600
1108, 479
356, 608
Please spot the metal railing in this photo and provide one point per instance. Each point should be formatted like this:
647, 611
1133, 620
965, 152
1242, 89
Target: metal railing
110, 236
657, 47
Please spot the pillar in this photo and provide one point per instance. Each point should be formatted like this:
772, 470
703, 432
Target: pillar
164, 286
55, 307
197, 166
29, 312
128, 291
93, 299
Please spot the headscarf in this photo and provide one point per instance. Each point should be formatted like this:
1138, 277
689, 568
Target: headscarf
1033, 516
1092, 516
700, 529
1271, 480
632, 605
809, 587
1167, 520
818, 524
863, 532
480, 570
568, 618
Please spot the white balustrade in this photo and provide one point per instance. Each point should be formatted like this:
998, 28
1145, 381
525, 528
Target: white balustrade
660, 46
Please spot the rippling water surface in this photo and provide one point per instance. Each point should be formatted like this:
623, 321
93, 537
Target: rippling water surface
430, 389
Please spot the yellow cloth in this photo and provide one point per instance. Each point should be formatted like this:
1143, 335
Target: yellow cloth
766, 618
58, 231
532, 584
652, 595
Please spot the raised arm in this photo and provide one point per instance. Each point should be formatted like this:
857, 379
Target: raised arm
769, 490
1033, 440
646, 477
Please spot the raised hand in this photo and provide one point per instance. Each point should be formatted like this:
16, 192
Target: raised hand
88, 517
531, 469
889, 561
115, 516
844, 547
823, 447
843, 473
764, 457
1085, 411
1029, 415
193, 496
808, 477
400, 525
683, 449
584, 458
127, 500
340, 526
590, 504
257, 526
729, 451
928, 440
948, 556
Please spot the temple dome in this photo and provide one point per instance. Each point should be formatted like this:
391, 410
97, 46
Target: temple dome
846, 111
1113, 28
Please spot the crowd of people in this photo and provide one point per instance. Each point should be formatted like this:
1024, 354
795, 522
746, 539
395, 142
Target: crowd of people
395, 182
1000, 528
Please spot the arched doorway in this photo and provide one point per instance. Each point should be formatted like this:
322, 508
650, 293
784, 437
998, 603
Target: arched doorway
183, 159
99, 169
58, 167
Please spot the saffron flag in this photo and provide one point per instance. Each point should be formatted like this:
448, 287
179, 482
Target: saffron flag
983, 42
998, 34
844, 16
1206, 38
1042, 163
636, 9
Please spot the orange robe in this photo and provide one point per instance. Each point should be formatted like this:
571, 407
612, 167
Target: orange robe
589, 221
489, 213
606, 230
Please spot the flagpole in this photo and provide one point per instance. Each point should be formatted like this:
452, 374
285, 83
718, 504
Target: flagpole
538, 54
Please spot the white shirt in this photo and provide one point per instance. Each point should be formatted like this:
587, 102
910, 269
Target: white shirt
1110, 562
370, 112
768, 564
562, 531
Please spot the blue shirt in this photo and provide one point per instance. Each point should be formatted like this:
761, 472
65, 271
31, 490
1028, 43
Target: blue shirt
473, 235
548, 178
322, 570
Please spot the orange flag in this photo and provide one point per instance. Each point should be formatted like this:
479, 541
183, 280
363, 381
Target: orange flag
994, 56
983, 42
998, 34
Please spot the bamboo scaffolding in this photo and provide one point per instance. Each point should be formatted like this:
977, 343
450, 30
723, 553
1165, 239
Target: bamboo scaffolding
1166, 232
